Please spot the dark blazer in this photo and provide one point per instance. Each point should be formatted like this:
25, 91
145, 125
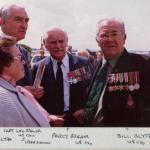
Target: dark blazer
77, 91
27, 80
118, 110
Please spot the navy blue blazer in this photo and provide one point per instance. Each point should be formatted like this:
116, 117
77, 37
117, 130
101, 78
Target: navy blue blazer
77, 91
27, 80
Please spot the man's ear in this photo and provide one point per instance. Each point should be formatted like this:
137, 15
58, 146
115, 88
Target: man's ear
96, 40
1, 21
125, 36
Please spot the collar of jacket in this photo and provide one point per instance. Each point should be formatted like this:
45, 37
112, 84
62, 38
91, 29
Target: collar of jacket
7, 85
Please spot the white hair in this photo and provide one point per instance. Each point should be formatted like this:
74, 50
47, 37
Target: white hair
104, 21
53, 29
5, 11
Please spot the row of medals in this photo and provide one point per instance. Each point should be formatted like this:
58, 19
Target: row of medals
123, 81
80, 74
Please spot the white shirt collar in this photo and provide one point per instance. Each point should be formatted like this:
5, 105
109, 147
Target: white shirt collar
65, 60
103, 61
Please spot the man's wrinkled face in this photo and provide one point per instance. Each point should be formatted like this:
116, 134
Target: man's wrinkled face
16, 24
111, 39
56, 44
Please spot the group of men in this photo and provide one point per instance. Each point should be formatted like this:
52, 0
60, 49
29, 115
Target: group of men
116, 94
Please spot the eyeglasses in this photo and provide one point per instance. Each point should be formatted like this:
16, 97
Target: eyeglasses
113, 35
19, 57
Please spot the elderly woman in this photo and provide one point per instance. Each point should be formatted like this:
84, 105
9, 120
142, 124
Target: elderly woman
18, 108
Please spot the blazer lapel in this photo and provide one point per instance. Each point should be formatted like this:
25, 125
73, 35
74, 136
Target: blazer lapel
72, 62
122, 62
49, 72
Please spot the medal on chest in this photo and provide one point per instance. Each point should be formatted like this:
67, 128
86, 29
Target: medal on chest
130, 102
128, 81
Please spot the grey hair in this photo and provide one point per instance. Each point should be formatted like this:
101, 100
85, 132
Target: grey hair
5, 11
52, 29
103, 21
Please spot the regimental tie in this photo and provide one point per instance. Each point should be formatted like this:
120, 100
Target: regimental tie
95, 93
60, 88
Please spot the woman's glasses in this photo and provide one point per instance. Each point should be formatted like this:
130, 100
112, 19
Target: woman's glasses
19, 57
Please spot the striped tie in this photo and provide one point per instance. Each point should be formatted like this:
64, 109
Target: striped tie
95, 93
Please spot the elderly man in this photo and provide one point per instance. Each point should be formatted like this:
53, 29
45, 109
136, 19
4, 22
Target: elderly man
14, 22
65, 79
120, 88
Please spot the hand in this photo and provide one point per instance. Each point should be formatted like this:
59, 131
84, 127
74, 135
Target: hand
36, 92
78, 114
56, 121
